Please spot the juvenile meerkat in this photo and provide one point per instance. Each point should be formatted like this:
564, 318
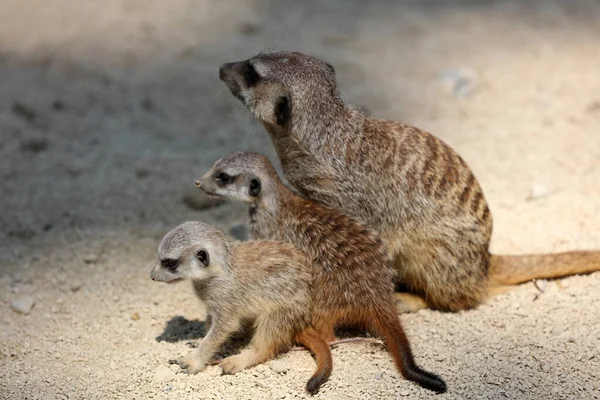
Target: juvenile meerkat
267, 282
352, 276
405, 183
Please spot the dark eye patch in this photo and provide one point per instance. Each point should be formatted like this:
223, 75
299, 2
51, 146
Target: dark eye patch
170, 264
251, 77
223, 178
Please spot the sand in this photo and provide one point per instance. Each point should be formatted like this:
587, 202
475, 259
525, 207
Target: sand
109, 110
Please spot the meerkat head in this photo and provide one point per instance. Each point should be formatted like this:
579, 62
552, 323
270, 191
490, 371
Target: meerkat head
193, 250
241, 176
283, 88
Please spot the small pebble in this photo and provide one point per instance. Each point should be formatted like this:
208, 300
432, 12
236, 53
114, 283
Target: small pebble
90, 258
22, 304
538, 191
404, 392
278, 366
135, 316
76, 286
546, 367
459, 82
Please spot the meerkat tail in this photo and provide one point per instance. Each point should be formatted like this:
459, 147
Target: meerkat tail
388, 326
310, 339
512, 270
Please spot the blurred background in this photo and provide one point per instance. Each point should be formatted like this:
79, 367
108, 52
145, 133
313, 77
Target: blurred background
109, 111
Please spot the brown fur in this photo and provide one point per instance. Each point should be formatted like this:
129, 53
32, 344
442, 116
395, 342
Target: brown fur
408, 185
352, 277
267, 282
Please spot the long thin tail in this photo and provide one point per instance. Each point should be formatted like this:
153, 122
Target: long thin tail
512, 270
310, 339
388, 326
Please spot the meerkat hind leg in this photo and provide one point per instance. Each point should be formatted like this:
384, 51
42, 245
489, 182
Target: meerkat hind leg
270, 337
409, 303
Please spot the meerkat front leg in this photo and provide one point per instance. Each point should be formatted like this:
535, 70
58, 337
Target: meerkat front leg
218, 333
270, 337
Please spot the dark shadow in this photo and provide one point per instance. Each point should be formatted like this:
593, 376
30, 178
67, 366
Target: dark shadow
179, 328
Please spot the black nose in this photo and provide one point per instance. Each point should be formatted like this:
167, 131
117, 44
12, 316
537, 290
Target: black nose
224, 69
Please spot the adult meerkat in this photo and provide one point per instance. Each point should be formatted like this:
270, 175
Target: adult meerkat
267, 282
352, 275
406, 184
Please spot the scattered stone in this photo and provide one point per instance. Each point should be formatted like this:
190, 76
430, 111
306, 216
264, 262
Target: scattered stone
378, 375
196, 200
142, 173
22, 304
278, 367
25, 234
239, 232
47, 227
594, 106
24, 111
545, 367
404, 392
163, 374
76, 286
459, 82
135, 316
174, 367
249, 28
557, 330
538, 191
34, 145
91, 258
58, 105
147, 105
168, 388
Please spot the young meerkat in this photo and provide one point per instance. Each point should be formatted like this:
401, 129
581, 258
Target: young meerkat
352, 276
268, 282
405, 183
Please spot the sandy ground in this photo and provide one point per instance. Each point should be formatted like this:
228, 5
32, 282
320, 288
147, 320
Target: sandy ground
109, 110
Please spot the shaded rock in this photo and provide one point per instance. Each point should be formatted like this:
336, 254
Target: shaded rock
459, 82
24, 111
22, 304
278, 367
538, 191
34, 145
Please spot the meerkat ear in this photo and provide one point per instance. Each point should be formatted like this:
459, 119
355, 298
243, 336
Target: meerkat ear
254, 187
283, 110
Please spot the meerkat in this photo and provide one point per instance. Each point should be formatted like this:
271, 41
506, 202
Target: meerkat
352, 276
404, 183
267, 282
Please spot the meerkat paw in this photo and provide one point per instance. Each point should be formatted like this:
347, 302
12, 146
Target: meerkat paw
191, 365
234, 364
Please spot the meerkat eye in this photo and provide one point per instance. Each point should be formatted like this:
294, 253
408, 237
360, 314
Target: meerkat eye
202, 256
282, 110
254, 187
223, 179
170, 264
251, 77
